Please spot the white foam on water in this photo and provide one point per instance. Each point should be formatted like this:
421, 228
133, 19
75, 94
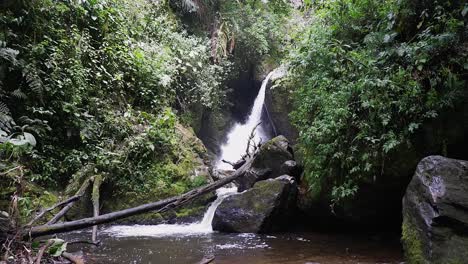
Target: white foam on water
202, 227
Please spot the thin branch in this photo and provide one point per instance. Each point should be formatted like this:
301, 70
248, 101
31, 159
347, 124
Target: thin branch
60, 204
251, 138
228, 162
69, 205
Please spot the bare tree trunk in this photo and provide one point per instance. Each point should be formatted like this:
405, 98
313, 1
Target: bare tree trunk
95, 199
159, 206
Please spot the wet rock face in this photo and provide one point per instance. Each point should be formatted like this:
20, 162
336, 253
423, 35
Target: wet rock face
263, 208
279, 104
435, 212
290, 167
267, 163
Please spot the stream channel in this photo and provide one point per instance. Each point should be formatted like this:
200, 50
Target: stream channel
190, 243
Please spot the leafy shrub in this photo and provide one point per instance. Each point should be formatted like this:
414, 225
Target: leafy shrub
369, 74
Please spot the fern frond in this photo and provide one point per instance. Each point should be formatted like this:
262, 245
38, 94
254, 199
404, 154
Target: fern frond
9, 54
33, 80
19, 94
4, 109
6, 122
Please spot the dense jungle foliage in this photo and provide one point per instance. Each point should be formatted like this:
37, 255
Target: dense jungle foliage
110, 88
367, 75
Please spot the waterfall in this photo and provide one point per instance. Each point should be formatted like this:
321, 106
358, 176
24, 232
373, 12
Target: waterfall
232, 151
238, 136
202, 227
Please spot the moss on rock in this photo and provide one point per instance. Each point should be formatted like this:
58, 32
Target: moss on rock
187, 167
412, 244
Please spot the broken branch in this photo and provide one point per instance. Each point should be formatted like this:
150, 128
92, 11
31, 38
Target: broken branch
65, 209
60, 204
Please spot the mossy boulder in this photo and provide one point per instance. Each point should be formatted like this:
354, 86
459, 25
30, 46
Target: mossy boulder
264, 208
267, 162
435, 212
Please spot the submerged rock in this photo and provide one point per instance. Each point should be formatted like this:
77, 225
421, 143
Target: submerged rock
264, 208
267, 162
435, 212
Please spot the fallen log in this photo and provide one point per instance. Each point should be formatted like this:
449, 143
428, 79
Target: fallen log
159, 206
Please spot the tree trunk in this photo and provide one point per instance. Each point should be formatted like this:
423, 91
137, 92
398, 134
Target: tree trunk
159, 206
95, 199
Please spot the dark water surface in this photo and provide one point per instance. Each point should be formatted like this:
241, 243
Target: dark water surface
287, 248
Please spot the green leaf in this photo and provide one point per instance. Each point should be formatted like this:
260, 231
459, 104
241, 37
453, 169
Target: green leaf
35, 245
58, 247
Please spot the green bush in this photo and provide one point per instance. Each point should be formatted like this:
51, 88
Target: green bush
367, 76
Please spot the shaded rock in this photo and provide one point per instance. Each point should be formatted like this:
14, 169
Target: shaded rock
279, 104
290, 167
267, 162
252, 176
435, 212
214, 127
264, 208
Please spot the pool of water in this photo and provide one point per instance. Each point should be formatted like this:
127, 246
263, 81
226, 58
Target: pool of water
288, 248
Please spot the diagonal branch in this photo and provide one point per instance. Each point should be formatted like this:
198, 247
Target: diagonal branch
60, 204
65, 209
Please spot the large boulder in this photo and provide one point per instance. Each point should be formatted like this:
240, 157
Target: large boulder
267, 162
435, 212
264, 208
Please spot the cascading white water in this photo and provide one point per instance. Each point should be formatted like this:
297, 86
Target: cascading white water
238, 137
232, 151
202, 227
